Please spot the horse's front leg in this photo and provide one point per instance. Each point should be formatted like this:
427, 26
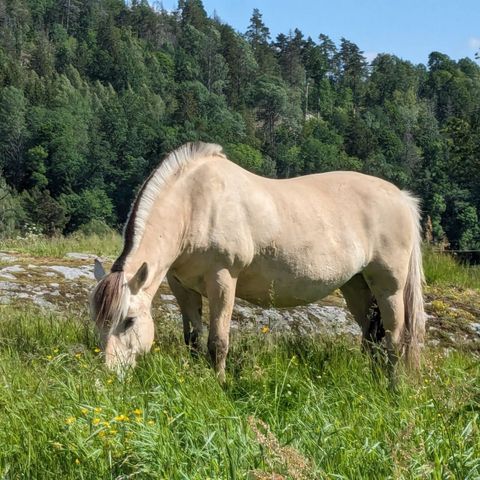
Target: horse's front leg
221, 296
190, 304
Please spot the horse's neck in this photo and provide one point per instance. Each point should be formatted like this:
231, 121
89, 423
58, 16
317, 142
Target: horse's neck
158, 246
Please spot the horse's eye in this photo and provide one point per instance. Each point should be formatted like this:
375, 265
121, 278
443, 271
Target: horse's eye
129, 321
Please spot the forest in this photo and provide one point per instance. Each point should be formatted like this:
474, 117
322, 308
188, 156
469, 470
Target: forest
94, 93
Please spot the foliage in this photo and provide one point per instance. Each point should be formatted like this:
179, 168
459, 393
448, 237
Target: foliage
94, 94
12, 214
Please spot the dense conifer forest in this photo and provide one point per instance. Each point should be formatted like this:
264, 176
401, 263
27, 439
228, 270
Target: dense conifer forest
93, 93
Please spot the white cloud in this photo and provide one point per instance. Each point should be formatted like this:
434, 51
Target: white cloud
474, 43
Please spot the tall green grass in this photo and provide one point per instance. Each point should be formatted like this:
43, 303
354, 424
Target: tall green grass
106, 244
64, 416
443, 269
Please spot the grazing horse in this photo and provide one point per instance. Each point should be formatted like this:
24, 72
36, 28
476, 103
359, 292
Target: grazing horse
218, 231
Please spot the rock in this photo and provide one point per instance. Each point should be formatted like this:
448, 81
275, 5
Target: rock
73, 273
8, 276
7, 258
12, 269
167, 298
475, 327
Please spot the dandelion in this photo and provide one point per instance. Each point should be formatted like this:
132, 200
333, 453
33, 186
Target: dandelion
106, 424
121, 418
96, 350
70, 420
265, 329
96, 421
101, 433
137, 411
97, 409
84, 411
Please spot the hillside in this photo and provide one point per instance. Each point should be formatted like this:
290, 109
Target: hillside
93, 94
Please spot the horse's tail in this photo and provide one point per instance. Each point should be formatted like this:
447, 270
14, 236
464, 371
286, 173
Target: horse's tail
413, 294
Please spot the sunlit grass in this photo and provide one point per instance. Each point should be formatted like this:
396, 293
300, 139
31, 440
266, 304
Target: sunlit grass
109, 244
64, 416
298, 407
443, 269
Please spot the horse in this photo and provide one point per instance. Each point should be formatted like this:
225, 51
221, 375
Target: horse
218, 231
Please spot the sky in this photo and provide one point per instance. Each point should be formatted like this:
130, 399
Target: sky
410, 29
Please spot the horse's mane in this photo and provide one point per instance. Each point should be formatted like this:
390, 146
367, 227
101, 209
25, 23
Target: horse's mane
172, 165
109, 300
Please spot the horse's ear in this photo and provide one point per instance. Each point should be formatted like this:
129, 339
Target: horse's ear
139, 279
98, 270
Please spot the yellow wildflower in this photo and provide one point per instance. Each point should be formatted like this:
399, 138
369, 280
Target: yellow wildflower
97, 409
55, 350
78, 355
109, 381
121, 418
84, 411
150, 422
49, 357
113, 431
96, 421
137, 411
70, 420
77, 461
96, 350
265, 329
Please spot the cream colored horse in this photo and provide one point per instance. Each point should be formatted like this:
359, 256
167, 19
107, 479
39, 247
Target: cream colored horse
218, 231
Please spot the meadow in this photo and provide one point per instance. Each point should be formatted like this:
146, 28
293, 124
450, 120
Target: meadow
292, 408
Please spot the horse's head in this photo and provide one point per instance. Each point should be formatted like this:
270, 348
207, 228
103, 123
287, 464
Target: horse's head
121, 311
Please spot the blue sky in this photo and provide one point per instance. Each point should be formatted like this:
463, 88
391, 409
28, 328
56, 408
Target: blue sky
410, 29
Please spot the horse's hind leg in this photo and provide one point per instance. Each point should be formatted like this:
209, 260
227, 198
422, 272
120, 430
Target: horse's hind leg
190, 304
361, 303
387, 288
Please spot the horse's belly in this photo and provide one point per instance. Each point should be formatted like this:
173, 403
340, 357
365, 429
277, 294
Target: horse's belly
277, 287
270, 295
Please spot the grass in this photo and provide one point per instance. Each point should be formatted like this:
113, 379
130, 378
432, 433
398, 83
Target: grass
300, 408
39, 246
296, 408
443, 269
